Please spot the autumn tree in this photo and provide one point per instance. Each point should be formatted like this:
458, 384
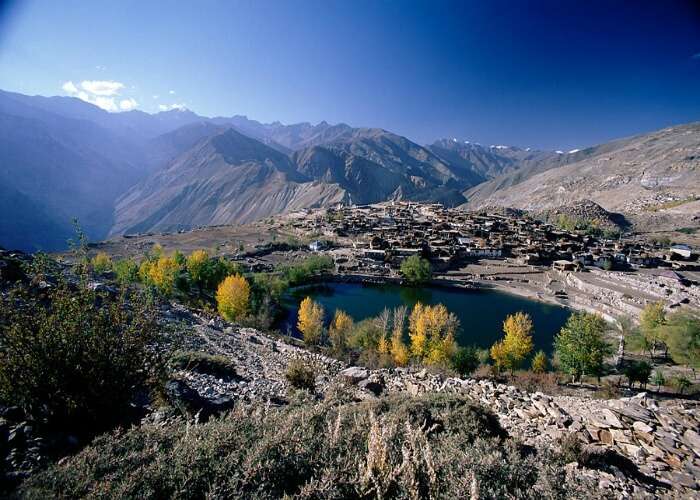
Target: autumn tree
432, 331
340, 330
310, 322
399, 351
233, 297
511, 351
196, 266
161, 274
580, 345
540, 363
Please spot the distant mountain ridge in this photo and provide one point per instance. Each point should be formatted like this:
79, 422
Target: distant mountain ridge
128, 172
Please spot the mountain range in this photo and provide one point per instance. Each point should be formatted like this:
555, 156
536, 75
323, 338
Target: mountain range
117, 173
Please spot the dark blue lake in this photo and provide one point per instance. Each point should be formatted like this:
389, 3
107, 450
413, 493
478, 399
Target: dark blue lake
481, 312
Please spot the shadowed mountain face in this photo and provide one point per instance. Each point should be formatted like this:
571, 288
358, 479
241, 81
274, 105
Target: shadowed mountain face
62, 158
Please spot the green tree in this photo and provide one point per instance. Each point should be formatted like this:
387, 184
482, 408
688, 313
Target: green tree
638, 372
465, 360
659, 379
340, 330
126, 271
651, 321
416, 270
681, 333
580, 345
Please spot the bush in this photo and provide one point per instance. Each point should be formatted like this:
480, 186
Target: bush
540, 363
101, 263
301, 375
77, 359
126, 271
416, 270
300, 273
201, 362
162, 274
398, 447
465, 360
233, 298
638, 371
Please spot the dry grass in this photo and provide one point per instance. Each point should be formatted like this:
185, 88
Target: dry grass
435, 446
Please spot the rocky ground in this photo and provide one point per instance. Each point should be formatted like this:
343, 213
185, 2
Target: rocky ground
652, 447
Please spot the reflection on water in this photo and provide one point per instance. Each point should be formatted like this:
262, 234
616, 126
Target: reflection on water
481, 312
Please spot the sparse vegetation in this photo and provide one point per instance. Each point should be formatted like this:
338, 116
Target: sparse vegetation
202, 362
436, 446
301, 375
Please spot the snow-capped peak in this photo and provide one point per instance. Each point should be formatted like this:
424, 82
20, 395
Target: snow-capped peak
574, 151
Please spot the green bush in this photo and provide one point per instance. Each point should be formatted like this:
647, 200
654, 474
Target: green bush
126, 271
416, 270
300, 273
77, 359
466, 360
437, 446
301, 375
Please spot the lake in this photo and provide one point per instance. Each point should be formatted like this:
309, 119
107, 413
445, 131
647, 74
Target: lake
481, 312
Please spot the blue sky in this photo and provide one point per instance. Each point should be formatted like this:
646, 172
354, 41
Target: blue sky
549, 74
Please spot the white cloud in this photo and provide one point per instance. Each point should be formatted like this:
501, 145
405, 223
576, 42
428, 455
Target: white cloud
156, 96
169, 107
106, 103
100, 67
102, 87
128, 104
69, 87
171, 92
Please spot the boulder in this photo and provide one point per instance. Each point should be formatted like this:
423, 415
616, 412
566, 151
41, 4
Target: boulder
354, 374
189, 401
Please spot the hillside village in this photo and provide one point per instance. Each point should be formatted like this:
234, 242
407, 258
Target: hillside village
388, 232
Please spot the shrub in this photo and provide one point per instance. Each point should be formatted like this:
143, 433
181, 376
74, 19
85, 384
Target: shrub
465, 360
638, 371
398, 447
540, 363
126, 271
101, 263
416, 270
681, 384
201, 362
77, 360
300, 273
233, 297
310, 322
301, 375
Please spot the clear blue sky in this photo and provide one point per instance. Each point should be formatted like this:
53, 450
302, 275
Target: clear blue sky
555, 74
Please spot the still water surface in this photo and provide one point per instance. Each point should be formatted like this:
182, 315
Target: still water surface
481, 312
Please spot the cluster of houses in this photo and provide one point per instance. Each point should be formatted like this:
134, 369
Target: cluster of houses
382, 235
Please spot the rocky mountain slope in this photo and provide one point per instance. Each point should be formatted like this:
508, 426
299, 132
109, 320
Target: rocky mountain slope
626, 176
225, 178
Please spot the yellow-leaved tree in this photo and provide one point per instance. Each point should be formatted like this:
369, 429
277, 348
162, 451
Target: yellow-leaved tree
398, 349
510, 352
233, 297
432, 331
340, 330
196, 265
310, 322
161, 273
